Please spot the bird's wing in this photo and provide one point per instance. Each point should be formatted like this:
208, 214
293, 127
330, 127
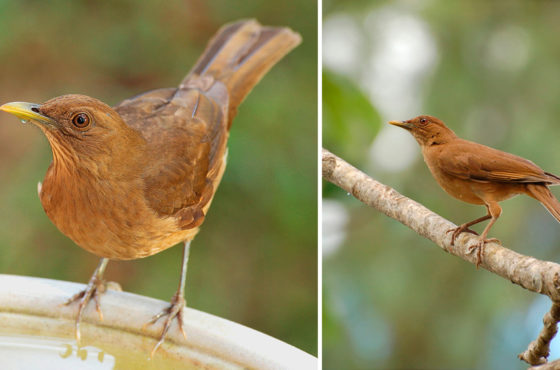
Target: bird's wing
468, 160
186, 132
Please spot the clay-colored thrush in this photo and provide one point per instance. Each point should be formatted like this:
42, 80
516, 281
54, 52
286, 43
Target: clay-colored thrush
478, 174
130, 181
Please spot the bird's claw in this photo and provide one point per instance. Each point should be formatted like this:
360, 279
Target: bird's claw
95, 288
479, 247
458, 230
175, 310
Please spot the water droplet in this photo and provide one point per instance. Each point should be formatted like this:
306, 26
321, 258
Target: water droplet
24, 121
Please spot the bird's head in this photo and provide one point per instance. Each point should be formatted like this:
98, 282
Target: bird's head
79, 128
427, 130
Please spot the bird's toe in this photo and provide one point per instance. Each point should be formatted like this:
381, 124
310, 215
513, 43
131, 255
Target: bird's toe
95, 288
457, 231
175, 310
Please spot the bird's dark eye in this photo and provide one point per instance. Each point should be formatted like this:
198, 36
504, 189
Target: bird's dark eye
423, 120
81, 120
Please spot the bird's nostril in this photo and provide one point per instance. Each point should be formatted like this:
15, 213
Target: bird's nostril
35, 109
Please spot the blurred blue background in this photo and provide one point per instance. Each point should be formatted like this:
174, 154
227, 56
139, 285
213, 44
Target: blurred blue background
392, 299
255, 259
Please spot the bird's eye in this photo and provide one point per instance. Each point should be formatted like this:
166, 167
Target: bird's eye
81, 120
423, 120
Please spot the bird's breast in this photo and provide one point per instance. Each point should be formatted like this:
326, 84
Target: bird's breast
108, 218
456, 187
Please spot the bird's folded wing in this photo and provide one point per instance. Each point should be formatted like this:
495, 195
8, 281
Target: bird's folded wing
476, 162
187, 139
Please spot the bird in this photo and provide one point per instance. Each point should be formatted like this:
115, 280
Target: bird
478, 174
129, 181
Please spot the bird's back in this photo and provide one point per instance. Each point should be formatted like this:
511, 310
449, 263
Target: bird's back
472, 161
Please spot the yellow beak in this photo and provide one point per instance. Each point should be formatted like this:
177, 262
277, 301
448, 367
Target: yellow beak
27, 112
402, 124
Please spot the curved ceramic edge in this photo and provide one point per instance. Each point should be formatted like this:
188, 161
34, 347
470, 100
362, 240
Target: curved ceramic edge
127, 312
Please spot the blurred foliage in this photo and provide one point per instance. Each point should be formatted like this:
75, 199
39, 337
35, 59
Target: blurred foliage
349, 120
392, 299
261, 229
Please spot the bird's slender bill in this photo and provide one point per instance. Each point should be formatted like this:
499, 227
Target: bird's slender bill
403, 124
27, 112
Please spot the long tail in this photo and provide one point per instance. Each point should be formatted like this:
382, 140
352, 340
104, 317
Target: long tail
543, 194
240, 54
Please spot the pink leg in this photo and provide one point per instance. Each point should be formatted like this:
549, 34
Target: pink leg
465, 227
494, 211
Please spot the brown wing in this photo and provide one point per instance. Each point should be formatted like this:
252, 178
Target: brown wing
187, 128
486, 164
186, 134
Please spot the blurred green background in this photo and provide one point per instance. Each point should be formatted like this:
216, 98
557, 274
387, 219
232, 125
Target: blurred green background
255, 260
490, 70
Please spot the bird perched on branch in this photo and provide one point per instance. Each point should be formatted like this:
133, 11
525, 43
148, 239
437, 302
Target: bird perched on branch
130, 181
478, 174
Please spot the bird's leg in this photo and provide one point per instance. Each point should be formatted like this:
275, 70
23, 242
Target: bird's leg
465, 227
95, 287
494, 211
175, 310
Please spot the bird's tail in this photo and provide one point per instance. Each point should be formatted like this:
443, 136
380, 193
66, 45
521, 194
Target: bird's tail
240, 54
543, 194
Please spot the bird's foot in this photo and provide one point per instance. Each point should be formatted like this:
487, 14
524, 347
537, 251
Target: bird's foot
94, 289
479, 247
175, 310
458, 230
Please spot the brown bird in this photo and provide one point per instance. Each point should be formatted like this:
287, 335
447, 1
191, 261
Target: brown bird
130, 181
478, 174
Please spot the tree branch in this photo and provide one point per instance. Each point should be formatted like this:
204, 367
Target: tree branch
539, 349
554, 365
538, 276
532, 274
